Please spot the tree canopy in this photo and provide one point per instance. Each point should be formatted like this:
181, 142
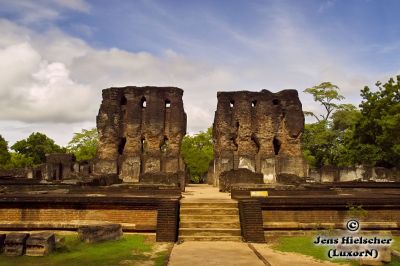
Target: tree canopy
84, 144
326, 94
4, 153
36, 146
350, 136
197, 152
18, 160
378, 129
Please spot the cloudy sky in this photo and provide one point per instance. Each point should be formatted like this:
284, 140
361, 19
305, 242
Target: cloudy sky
57, 55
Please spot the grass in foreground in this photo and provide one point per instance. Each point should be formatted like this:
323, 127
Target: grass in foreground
396, 244
304, 245
131, 249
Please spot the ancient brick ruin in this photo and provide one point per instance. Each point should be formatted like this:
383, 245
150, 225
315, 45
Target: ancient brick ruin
140, 131
259, 131
58, 166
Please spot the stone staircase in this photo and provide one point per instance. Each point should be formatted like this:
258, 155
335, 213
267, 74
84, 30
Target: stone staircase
209, 220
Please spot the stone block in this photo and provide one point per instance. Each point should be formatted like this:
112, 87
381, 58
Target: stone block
15, 244
40, 244
240, 176
2, 238
160, 178
131, 169
290, 179
98, 233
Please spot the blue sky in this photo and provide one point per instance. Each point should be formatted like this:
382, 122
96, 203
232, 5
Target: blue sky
57, 55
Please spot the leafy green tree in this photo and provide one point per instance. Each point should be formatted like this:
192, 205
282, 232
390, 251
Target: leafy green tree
319, 139
348, 136
18, 160
4, 153
377, 134
197, 152
84, 144
36, 146
343, 124
345, 117
326, 94
331, 142
317, 143
328, 141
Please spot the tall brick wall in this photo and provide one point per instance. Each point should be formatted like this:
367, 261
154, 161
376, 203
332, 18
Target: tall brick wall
140, 132
260, 131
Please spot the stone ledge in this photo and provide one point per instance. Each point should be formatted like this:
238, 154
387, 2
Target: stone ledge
72, 225
316, 226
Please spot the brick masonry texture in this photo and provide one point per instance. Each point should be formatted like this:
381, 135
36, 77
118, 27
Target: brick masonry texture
143, 219
251, 221
140, 131
260, 131
327, 216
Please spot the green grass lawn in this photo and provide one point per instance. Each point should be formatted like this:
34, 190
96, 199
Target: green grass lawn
396, 244
304, 245
131, 249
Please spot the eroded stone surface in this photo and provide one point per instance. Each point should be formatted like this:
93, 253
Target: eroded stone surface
238, 177
140, 131
58, 166
259, 131
40, 244
15, 244
101, 232
2, 238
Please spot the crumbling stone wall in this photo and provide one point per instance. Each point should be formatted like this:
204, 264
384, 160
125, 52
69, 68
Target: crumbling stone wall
140, 131
259, 131
58, 166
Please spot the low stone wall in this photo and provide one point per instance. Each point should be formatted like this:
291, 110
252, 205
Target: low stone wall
360, 173
290, 210
297, 219
147, 212
68, 217
17, 172
300, 214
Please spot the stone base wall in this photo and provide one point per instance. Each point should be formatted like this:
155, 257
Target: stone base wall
134, 219
359, 173
327, 216
17, 172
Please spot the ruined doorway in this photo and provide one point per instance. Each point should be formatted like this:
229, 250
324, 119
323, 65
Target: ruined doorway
60, 171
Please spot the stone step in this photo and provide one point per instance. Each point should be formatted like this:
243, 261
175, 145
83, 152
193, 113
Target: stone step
211, 205
209, 218
210, 238
208, 211
208, 224
208, 232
